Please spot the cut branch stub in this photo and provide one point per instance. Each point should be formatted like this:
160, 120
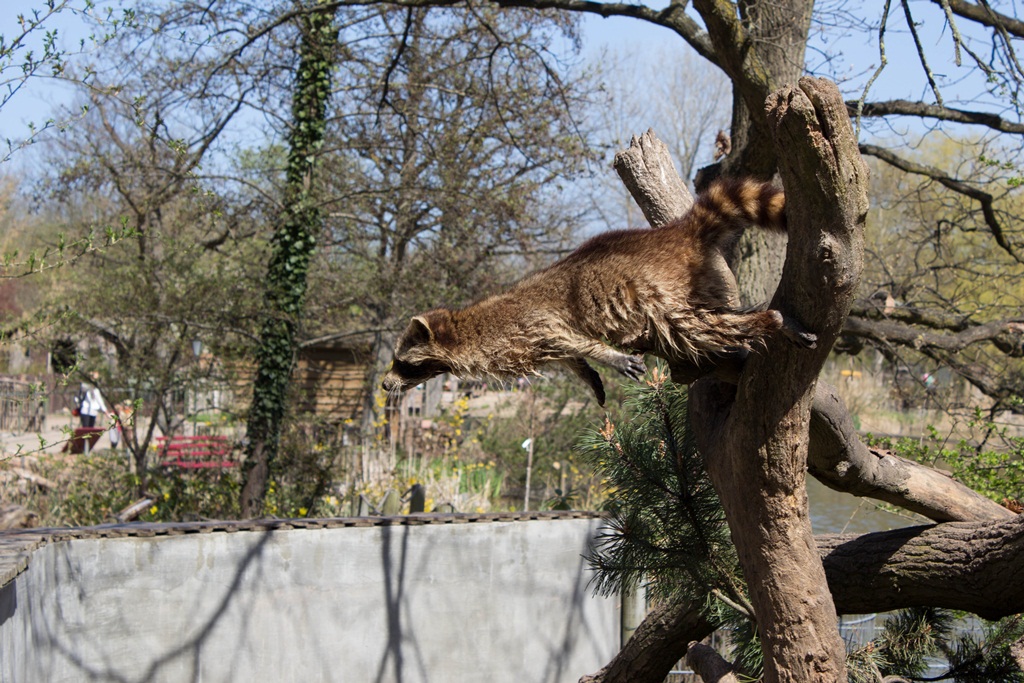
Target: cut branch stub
647, 171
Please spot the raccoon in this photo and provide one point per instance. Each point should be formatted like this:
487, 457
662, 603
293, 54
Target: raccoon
666, 291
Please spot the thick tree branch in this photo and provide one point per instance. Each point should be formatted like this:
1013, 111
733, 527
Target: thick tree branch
974, 567
984, 14
708, 664
986, 200
673, 17
657, 644
839, 459
934, 111
1006, 335
648, 172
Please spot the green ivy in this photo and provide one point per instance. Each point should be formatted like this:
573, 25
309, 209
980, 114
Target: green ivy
292, 246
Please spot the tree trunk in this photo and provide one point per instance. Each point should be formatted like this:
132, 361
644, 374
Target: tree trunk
754, 436
293, 246
837, 457
972, 567
760, 50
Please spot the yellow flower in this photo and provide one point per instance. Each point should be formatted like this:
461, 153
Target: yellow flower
167, 495
152, 510
302, 512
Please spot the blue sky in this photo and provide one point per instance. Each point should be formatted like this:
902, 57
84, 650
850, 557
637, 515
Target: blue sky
857, 55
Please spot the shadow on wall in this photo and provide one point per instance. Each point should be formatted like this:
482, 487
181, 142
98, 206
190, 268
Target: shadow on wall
387, 604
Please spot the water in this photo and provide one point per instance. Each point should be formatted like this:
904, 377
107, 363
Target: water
833, 512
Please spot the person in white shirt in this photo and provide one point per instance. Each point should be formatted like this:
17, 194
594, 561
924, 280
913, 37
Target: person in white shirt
92, 404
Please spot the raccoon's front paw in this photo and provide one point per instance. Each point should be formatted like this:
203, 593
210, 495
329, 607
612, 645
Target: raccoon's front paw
632, 366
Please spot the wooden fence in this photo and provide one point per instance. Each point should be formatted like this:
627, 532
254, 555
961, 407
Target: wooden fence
23, 405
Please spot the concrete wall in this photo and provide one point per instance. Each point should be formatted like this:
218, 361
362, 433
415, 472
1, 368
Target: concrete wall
495, 602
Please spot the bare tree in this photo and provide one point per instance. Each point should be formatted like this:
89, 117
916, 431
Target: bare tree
123, 176
442, 171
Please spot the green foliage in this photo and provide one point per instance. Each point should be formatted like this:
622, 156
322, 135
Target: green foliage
553, 411
92, 489
35, 50
988, 659
667, 528
182, 495
912, 636
996, 474
308, 462
914, 639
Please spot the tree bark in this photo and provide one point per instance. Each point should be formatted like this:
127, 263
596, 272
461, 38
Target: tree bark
754, 436
840, 460
708, 664
649, 173
974, 567
836, 456
657, 644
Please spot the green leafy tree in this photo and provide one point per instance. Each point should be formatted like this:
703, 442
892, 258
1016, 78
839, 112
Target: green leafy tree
143, 302
34, 48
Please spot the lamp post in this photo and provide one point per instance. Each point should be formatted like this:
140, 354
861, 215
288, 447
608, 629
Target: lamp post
197, 350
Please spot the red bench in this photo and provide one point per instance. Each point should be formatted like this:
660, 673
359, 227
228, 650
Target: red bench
83, 440
195, 452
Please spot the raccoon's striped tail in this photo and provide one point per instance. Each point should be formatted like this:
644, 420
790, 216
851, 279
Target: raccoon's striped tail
725, 209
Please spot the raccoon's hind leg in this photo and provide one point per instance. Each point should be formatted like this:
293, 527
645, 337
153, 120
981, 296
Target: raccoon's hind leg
697, 333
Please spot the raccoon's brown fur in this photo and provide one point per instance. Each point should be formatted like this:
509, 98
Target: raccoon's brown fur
666, 291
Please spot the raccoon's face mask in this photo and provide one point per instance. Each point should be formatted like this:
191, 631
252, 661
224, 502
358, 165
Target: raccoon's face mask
404, 375
417, 353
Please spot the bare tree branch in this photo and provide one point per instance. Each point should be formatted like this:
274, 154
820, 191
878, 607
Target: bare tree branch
984, 14
912, 25
935, 111
840, 460
984, 198
1007, 335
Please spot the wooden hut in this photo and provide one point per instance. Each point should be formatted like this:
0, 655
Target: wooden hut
329, 380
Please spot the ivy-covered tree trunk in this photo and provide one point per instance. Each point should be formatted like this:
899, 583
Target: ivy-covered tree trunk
293, 245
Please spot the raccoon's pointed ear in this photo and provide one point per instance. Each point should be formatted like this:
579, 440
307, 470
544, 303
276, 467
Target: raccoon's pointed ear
419, 330
432, 326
